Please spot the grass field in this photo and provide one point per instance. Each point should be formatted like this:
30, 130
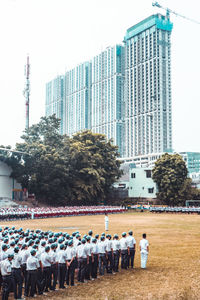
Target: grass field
173, 268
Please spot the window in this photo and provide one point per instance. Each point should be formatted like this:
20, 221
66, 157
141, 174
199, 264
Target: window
150, 190
133, 175
148, 173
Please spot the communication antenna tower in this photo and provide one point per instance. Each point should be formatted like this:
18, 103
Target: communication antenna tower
26, 91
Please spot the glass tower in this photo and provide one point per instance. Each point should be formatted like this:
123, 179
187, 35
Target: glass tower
148, 120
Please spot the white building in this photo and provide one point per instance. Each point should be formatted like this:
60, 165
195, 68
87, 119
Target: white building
7, 184
141, 184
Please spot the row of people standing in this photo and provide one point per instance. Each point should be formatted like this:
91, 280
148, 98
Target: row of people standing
40, 260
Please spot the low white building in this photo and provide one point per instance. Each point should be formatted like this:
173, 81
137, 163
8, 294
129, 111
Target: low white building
141, 184
8, 186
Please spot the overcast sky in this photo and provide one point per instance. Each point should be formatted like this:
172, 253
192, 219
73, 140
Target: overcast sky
58, 34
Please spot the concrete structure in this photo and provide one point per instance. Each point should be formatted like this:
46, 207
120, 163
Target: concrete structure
141, 185
8, 186
148, 121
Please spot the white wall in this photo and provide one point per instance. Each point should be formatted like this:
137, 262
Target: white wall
140, 185
6, 182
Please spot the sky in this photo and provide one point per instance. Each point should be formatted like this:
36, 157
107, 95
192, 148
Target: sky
59, 34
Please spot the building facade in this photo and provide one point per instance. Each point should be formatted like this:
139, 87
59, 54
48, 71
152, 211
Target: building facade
148, 123
55, 99
77, 99
107, 94
8, 185
141, 184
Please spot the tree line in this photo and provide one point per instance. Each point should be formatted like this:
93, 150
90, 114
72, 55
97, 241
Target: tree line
61, 170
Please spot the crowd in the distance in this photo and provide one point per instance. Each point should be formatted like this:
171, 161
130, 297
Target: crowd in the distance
43, 261
8, 214
175, 209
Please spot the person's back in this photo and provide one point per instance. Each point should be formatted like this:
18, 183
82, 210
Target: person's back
144, 251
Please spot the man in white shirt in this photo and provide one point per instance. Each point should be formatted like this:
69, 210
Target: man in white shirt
70, 252
83, 260
6, 276
17, 274
46, 263
124, 251
116, 252
144, 251
106, 221
95, 252
31, 266
54, 267
102, 255
62, 267
109, 249
131, 244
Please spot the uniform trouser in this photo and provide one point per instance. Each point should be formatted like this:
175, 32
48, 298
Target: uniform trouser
54, 276
144, 257
24, 272
88, 269
109, 265
61, 274
94, 266
106, 226
82, 262
18, 280
70, 273
116, 261
40, 281
102, 263
131, 257
124, 259
1, 280
46, 278
6, 286
31, 283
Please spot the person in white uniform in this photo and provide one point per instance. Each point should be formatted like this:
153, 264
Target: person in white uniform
144, 251
106, 221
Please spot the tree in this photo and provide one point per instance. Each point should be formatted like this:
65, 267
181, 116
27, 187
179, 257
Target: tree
94, 166
170, 174
60, 170
44, 169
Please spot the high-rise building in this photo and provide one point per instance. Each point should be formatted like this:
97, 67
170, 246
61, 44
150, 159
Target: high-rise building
54, 99
124, 92
77, 99
148, 120
107, 94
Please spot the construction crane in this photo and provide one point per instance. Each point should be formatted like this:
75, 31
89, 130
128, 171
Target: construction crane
168, 11
26, 91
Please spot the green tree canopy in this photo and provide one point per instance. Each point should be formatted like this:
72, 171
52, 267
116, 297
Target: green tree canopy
170, 174
63, 170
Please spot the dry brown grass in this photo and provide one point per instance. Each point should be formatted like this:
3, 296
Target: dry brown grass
174, 262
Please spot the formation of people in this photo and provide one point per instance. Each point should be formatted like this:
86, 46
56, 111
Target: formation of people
23, 213
45, 261
175, 209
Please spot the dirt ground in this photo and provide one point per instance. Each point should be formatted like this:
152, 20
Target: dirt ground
173, 268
